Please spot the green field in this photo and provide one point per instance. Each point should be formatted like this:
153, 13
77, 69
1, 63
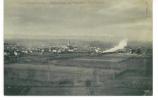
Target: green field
105, 75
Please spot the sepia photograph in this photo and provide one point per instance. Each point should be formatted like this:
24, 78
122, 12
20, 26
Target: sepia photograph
78, 48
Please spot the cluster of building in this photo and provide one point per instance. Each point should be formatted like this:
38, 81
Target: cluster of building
128, 50
138, 51
13, 51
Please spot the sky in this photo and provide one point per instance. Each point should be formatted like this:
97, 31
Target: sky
79, 19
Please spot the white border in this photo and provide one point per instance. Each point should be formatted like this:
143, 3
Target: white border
155, 69
155, 48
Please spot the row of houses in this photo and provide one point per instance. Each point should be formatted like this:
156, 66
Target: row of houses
14, 50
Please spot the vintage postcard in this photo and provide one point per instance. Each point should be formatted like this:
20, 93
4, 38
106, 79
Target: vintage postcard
78, 48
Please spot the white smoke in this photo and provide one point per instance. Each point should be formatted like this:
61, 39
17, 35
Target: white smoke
121, 45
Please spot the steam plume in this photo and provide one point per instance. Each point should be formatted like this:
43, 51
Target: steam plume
121, 45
